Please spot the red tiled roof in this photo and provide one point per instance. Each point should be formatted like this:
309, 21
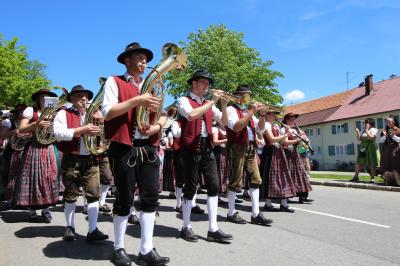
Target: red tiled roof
315, 117
385, 97
319, 104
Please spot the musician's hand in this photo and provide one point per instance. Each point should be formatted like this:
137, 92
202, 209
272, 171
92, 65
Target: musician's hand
98, 116
149, 101
217, 95
384, 133
256, 106
153, 129
44, 124
18, 134
90, 129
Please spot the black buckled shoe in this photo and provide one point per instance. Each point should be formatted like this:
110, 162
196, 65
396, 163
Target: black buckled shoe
260, 219
95, 236
219, 237
133, 219
188, 235
235, 218
270, 208
178, 209
46, 217
69, 234
152, 258
197, 210
105, 208
120, 258
286, 209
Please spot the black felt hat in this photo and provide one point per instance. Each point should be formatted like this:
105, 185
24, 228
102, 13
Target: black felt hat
200, 74
79, 88
43, 91
134, 48
243, 89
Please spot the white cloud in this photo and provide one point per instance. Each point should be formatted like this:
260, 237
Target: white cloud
312, 14
294, 95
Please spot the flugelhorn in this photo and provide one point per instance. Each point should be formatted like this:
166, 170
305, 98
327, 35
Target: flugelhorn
173, 57
306, 142
96, 144
228, 96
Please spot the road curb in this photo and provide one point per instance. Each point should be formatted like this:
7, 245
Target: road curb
332, 183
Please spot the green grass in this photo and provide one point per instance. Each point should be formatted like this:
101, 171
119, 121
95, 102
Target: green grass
344, 177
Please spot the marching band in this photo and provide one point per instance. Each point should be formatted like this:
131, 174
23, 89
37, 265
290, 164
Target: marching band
210, 139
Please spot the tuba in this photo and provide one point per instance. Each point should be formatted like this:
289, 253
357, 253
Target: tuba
97, 144
173, 57
45, 136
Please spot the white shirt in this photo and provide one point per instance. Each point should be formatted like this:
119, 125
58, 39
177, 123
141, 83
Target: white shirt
185, 108
394, 137
372, 130
216, 130
111, 98
63, 133
176, 129
233, 118
6, 123
28, 113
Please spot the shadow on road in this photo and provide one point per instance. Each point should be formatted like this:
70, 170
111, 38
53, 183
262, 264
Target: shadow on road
79, 249
15, 217
50, 231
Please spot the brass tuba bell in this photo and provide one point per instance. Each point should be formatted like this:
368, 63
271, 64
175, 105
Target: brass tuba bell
97, 144
173, 57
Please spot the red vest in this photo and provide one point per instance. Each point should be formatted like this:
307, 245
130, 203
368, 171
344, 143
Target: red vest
240, 137
177, 145
191, 130
121, 129
73, 121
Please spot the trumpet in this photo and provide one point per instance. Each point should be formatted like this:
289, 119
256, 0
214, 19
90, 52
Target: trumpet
229, 97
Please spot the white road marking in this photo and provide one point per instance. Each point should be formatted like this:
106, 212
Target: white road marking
343, 218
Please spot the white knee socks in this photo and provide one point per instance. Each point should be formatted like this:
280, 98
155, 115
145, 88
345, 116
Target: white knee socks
178, 197
255, 201
146, 233
186, 211
231, 202
69, 211
120, 224
93, 213
212, 206
103, 194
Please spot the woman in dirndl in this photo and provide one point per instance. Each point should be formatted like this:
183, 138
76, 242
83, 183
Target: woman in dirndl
219, 140
296, 166
37, 183
277, 182
390, 154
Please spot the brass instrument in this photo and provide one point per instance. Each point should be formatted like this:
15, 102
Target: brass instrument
45, 136
173, 57
266, 106
172, 111
229, 97
96, 144
19, 143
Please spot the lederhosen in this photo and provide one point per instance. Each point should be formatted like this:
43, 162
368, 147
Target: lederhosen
132, 160
198, 156
242, 155
297, 170
78, 170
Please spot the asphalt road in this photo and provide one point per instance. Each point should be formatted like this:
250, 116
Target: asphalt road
342, 227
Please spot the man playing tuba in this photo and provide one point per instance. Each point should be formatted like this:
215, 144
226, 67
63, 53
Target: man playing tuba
133, 153
78, 166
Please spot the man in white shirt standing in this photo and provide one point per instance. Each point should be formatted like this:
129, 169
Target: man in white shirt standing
197, 149
133, 153
241, 135
79, 167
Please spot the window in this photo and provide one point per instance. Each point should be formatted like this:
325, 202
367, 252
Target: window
318, 151
338, 150
359, 125
340, 129
318, 131
380, 123
350, 149
333, 129
310, 132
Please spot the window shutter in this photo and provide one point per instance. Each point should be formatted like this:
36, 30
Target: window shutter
333, 129
380, 123
346, 128
358, 125
350, 149
331, 150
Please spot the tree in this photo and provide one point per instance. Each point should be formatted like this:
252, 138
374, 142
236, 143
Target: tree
225, 55
19, 77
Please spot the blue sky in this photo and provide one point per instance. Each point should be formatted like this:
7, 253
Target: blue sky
314, 43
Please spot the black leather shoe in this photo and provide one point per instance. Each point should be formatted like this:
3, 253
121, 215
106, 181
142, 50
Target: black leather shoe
46, 217
171, 195
260, 219
270, 208
188, 235
69, 234
285, 209
152, 258
178, 209
235, 218
308, 200
95, 236
105, 208
133, 219
120, 258
197, 210
219, 236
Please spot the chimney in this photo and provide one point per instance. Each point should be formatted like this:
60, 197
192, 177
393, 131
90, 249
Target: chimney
368, 84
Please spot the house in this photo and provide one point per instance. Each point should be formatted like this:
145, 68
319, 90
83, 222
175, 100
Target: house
330, 121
